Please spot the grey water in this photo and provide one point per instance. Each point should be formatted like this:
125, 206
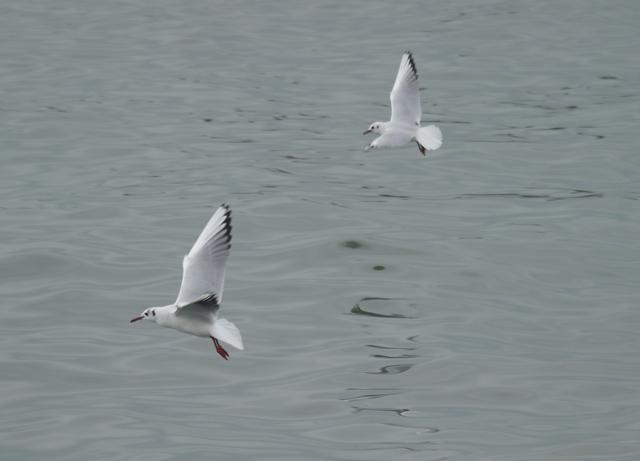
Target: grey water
477, 304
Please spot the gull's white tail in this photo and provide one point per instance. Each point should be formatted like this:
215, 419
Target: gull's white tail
430, 137
226, 331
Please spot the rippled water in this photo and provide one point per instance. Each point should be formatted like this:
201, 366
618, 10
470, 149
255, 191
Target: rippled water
478, 304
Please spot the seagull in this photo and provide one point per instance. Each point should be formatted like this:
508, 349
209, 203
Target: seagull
406, 114
196, 309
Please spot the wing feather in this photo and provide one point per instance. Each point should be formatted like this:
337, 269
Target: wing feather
203, 266
405, 94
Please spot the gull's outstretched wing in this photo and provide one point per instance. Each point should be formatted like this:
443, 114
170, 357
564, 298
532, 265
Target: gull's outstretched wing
203, 266
405, 94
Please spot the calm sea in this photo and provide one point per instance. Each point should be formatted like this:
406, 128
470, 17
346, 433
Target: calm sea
477, 304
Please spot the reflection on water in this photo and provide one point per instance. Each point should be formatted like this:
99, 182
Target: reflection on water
397, 411
387, 308
360, 311
392, 369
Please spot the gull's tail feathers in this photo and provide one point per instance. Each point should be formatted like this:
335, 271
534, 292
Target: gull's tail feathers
229, 333
430, 137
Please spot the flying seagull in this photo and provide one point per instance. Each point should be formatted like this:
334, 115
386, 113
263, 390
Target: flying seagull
404, 126
196, 309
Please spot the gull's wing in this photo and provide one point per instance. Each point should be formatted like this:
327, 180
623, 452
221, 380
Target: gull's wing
203, 266
202, 310
405, 94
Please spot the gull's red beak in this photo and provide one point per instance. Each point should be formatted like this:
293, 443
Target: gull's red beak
135, 319
366, 131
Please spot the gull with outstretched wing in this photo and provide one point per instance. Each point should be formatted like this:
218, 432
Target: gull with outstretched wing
406, 114
195, 311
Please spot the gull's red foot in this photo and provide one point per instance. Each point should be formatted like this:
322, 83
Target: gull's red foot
423, 151
219, 349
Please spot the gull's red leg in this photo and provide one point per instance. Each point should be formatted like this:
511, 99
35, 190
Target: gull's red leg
219, 349
423, 151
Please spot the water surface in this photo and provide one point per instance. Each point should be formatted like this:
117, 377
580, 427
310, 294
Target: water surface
479, 304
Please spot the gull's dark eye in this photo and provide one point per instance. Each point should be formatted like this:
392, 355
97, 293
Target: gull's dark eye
146, 314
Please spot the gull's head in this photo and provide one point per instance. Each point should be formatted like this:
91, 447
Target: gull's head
149, 313
375, 127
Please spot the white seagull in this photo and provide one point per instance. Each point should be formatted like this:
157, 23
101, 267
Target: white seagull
406, 114
196, 309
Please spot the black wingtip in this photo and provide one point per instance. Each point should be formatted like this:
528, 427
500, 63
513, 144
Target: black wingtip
227, 222
227, 211
210, 299
412, 63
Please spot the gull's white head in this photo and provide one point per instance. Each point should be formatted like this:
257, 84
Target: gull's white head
376, 127
147, 314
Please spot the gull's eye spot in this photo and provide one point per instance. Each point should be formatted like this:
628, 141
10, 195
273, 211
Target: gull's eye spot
153, 312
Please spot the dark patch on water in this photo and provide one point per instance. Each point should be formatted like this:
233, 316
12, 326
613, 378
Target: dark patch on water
572, 194
392, 369
57, 109
376, 346
376, 394
397, 411
428, 430
403, 197
401, 356
358, 310
380, 307
279, 170
353, 244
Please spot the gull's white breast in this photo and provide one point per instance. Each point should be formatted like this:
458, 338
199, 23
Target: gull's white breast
197, 325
